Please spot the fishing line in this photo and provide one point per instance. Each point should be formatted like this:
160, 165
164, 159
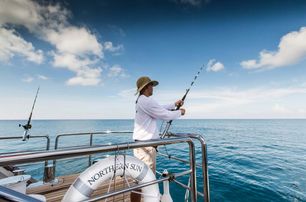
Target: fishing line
165, 132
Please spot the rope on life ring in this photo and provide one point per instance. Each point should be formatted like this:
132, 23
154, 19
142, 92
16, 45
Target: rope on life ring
103, 171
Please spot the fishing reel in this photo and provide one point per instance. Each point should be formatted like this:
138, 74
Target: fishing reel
25, 135
26, 126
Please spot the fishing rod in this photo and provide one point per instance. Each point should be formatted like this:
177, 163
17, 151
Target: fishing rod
28, 125
179, 106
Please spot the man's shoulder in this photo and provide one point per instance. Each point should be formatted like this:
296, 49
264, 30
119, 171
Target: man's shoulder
145, 100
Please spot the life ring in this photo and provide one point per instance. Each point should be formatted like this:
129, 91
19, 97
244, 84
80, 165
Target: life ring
103, 171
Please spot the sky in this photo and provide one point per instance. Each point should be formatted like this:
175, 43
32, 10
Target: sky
87, 55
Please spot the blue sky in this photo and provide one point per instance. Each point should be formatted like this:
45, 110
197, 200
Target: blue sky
86, 57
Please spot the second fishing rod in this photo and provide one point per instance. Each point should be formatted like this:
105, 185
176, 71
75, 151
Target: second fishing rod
165, 132
28, 125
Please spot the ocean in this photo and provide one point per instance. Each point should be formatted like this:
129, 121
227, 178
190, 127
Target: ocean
248, 160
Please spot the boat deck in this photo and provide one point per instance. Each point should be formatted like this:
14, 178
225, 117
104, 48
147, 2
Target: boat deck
55, 192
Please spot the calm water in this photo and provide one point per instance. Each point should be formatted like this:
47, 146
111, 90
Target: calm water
249, 160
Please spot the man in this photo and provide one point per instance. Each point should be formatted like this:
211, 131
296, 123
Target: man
148, 111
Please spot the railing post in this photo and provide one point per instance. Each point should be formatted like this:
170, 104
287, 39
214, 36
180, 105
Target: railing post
48, 175
193, 181
204, 161
205, 170
55, 148
90, 143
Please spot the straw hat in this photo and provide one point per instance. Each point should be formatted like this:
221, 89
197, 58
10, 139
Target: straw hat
143, 81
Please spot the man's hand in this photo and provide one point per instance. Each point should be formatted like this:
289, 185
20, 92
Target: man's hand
179, 103
183, 111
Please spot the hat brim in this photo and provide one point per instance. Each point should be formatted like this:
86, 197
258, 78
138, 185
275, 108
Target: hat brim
155, 83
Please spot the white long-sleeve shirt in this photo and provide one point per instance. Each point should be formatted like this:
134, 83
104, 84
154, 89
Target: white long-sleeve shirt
148, 111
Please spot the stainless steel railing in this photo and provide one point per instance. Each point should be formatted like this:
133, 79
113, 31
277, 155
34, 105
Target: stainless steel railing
201, 139
68, 153
91, 136
203, 165
47, 147
175, 175
32, 136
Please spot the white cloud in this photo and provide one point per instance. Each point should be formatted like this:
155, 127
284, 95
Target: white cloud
33, 15
284, 111
214, 66
281, 109
84, 80
116, 71
75, 40
71, 61
291, 50
12, 44
82, 66
76, 48
251, 103
247, 96
301, 111
79, 51
238, 103
128, 93
28, 79
17, 12
42, 77
108, 46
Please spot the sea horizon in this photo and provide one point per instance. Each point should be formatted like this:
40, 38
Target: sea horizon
94, 119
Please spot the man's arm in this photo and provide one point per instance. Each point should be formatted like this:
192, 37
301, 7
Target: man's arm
169, 106
153, 109
173, 105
